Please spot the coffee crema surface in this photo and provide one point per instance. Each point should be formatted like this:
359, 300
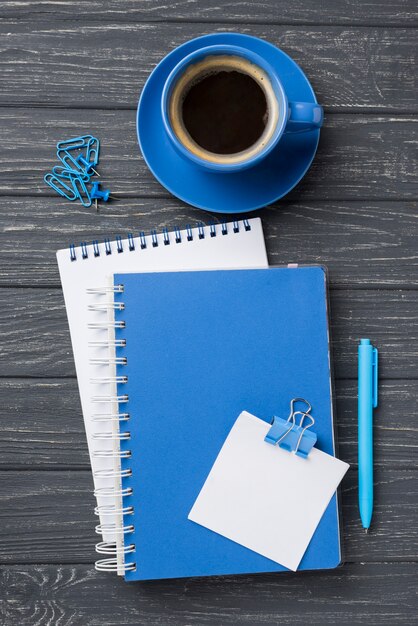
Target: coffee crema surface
223, 109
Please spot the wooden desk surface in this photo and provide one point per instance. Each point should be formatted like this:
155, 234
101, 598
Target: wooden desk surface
78, 66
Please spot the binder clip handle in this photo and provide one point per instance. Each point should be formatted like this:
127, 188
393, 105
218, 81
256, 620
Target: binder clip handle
310, 434
300, 401
291, 436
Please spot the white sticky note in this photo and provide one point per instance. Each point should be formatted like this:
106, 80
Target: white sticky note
265, 498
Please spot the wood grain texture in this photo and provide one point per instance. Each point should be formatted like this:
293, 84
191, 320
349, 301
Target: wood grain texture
43, 427
269, 11
359, 157
365, 244
36, 339
47, 517
76, 595
106, 65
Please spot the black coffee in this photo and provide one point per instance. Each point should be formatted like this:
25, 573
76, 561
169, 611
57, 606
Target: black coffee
225, 112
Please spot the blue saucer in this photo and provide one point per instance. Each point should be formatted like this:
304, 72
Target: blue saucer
234, 192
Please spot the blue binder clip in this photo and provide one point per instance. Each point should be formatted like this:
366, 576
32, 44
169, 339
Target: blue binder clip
291, 436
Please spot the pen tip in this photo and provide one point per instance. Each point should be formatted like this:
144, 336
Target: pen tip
366, 530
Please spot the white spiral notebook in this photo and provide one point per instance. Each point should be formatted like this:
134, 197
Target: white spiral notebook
86, 271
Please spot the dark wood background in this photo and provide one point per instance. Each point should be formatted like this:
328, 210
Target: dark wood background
70, 67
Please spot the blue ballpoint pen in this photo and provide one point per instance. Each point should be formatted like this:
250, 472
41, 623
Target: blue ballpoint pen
367, 401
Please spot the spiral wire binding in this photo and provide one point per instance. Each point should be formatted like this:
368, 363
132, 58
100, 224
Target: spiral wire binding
106, 307
109, 565
112, 528
101, 291
119, 360
111, 454
107, 473
108, 380
108, 343
106, 492
110, 417
109, 547
119, 399
105, 325
154, 239
116, 551
112, 436
111, 510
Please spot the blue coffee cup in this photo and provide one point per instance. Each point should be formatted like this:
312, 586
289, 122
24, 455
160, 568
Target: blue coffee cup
284, 116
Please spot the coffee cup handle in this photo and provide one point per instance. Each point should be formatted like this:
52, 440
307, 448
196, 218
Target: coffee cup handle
304, 116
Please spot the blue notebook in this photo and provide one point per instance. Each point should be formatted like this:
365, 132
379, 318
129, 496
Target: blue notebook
201, 347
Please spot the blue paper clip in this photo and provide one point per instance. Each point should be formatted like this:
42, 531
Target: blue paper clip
64, 172
60, 186
93, 147
69, 162
81, 191
78, 156
291, 436
80, 163
75, 143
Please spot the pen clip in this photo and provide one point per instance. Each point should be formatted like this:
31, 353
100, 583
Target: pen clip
375, 375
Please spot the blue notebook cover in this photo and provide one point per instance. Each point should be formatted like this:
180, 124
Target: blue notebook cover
201, 347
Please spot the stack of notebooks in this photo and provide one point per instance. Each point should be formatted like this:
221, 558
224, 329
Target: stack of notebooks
186, 344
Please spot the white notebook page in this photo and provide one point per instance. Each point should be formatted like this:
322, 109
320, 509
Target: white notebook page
242, 249
266, 498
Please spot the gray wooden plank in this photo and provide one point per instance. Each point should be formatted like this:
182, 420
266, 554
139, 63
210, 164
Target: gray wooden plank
76, 595
269, 11
42, 426
351, 69
36, 339
47, 517
363, 243
359, 157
